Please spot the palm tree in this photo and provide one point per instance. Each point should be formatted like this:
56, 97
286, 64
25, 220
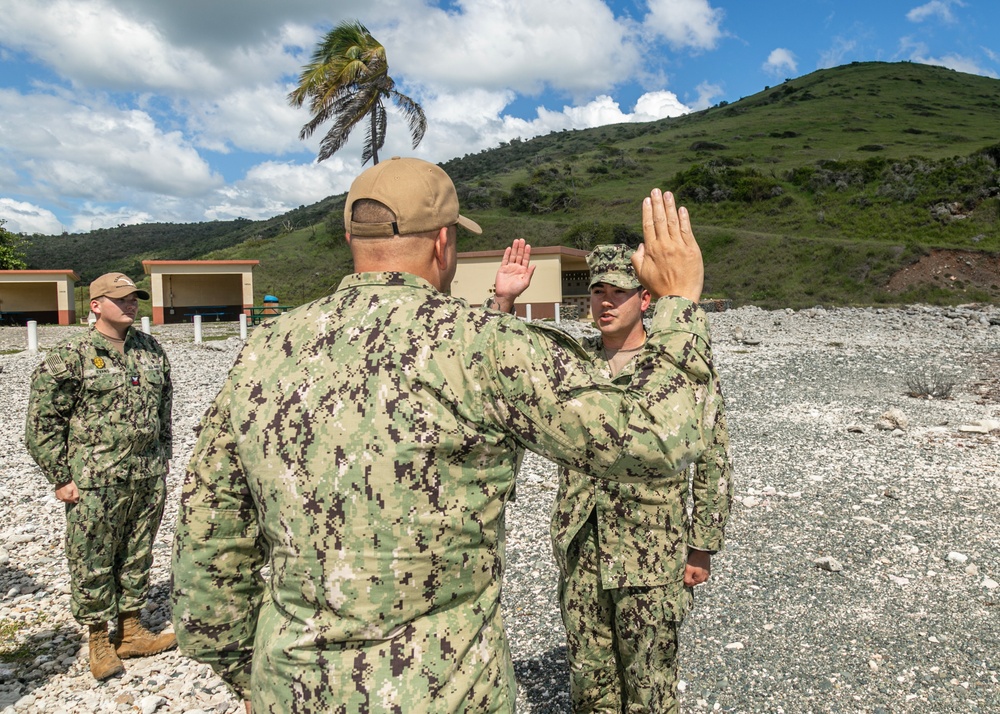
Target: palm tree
348, 81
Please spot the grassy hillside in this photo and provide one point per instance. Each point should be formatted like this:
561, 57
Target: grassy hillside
813, 191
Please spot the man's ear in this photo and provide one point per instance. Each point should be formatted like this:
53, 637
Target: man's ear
441, 248
645, 299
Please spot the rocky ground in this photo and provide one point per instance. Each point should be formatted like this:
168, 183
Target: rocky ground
861, 568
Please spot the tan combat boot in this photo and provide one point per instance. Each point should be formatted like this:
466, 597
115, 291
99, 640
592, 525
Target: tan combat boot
104, 662
134, 640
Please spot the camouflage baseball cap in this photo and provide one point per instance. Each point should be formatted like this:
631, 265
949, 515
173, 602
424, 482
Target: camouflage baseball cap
419, 193
115, 285
612, 264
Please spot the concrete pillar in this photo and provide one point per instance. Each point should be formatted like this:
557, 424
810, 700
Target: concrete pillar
527, 312
557, 313
32, 336
145, 325
197, 329
243, 326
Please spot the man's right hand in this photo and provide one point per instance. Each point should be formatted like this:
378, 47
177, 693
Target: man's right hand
68, 492
669, 260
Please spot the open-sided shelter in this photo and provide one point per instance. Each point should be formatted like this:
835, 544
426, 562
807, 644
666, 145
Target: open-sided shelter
45, 296
214, 289
561, 277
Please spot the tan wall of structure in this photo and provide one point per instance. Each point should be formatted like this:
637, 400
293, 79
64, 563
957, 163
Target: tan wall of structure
178, 286
21, 297
474, 279
184, 290
39, 295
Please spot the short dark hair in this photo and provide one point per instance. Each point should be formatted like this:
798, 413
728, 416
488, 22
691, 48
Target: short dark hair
368, 210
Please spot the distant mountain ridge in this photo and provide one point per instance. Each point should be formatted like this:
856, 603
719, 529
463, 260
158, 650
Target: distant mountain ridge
813, 191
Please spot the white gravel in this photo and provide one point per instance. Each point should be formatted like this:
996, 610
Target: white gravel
862, 561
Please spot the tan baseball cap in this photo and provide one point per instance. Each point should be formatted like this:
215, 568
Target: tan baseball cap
419, 193
612, 264
115, 285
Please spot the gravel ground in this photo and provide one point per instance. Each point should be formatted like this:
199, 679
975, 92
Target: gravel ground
860, 571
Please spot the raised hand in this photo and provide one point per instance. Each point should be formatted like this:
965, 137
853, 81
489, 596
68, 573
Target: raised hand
514, 275
669, 260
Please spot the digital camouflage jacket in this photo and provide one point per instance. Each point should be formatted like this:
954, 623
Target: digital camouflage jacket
98, 418
644, 528
363, 448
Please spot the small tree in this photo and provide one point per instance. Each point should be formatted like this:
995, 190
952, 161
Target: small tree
11, 249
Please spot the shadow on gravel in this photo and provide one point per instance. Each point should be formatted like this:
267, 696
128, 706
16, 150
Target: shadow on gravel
158, 602
544, 682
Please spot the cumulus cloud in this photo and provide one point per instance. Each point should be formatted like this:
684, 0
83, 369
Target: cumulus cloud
273, 187
521, 45
935, 9
780, 62
94, 151
691, 24
22, 217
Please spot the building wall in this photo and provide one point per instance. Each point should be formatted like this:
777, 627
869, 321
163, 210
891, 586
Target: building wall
475, 277
33, 295
560, 278
180, 289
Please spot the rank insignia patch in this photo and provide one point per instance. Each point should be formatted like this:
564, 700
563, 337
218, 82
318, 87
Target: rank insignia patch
99, 362
135, 380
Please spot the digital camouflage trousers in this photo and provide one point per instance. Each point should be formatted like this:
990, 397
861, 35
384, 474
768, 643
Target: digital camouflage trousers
109, 546
622, 642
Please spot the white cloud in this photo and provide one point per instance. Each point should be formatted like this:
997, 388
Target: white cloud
939, 9
781, 62
94, 152
521, 45
707, 94
837, 54
24, 217
685, 23
957, 63
466, 122
95, 215
256, 118
272, 188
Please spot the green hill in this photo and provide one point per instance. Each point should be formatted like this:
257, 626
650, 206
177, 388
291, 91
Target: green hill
814, 191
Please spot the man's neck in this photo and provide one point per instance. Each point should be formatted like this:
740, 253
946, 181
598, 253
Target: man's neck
110, 332
633, 340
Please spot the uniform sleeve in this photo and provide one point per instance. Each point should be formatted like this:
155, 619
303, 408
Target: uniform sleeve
166, 412
712, 484
542, 388
218, 555
55, 385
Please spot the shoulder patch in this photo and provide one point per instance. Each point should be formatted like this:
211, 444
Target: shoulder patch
55, 363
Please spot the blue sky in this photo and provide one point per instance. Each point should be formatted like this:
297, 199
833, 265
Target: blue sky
134, 111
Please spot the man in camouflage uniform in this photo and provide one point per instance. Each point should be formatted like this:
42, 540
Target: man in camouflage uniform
98, 426
363, 448
629, 553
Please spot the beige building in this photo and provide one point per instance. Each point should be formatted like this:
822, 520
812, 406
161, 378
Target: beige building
45, 296
560, 278
214, 289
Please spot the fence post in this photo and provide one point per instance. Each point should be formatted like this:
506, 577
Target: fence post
32, 336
